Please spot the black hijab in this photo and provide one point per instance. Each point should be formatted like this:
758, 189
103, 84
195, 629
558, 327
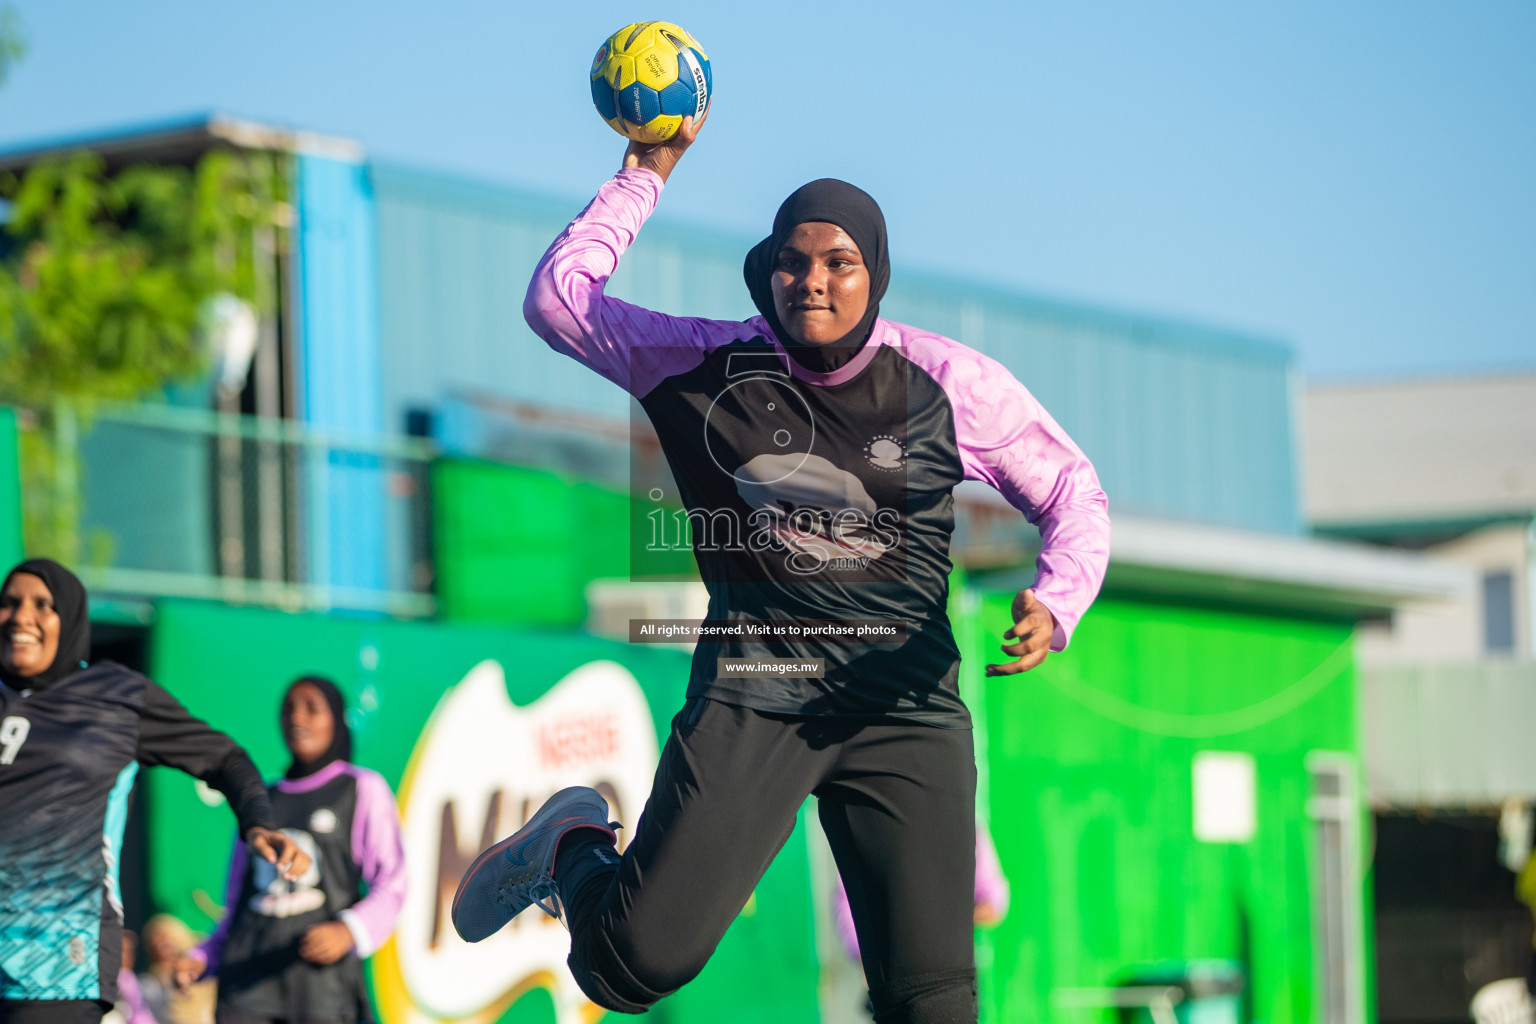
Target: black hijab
341, 736
850, 208
70, 602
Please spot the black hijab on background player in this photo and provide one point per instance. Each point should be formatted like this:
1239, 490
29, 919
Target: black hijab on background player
340, 748
856, 212
69, 600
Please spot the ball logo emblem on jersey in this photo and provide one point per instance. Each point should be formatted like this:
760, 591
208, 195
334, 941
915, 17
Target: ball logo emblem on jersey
481, 766
276, 896
323, 822
885, 452
760, 430
819, 514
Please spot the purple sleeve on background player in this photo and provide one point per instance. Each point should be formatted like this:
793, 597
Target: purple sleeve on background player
842, 920
633, 347
991, 884
131, 998
380, 853
212, 948
1009, 441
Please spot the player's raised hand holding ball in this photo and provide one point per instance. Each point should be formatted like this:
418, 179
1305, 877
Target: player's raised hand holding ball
651, 83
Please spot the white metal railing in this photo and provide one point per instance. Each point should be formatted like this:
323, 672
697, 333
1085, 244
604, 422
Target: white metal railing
157, 501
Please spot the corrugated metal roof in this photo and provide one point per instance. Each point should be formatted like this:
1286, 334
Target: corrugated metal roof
180, 140
1183, 422
1450, 735
1423, 458
1317, 576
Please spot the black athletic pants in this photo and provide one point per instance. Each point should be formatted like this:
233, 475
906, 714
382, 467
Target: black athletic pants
226, 1014
52, 1011
897, 802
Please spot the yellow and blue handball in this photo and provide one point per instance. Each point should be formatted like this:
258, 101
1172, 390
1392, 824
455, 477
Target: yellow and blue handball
647, 77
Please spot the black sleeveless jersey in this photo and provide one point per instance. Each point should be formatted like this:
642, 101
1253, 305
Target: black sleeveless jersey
260, 969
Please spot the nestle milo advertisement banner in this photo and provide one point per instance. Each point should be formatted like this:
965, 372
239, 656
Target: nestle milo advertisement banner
472, 727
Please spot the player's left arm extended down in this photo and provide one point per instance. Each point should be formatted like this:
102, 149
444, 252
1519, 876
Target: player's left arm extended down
1008, 440
566, 306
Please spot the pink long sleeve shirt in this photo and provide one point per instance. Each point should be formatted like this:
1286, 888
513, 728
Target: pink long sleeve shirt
822, 496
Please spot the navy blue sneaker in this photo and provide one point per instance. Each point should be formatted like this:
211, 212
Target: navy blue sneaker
519, 871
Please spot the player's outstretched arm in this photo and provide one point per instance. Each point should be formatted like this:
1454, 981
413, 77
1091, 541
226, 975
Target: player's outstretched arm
169, 735
662, 157
1009, 441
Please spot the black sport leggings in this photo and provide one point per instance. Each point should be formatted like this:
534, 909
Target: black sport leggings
897, 802
52, 1011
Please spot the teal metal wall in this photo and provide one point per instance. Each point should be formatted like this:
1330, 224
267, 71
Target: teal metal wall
1183, 422
340, 369
454, 261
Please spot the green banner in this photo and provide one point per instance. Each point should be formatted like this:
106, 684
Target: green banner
473, 727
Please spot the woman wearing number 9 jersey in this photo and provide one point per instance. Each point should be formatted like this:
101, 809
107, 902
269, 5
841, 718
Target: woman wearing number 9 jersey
72, 738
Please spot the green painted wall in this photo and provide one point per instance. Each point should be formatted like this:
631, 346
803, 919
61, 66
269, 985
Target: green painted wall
1091, 800
517, 545
10, 490
231, 666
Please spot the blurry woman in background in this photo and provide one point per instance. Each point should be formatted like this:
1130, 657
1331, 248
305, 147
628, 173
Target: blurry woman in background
72, 738
294, 952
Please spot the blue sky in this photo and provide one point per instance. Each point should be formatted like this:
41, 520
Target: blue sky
1357, 180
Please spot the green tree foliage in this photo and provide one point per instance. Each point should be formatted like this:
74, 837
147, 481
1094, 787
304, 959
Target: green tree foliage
13, 43
108, 277
104, 283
